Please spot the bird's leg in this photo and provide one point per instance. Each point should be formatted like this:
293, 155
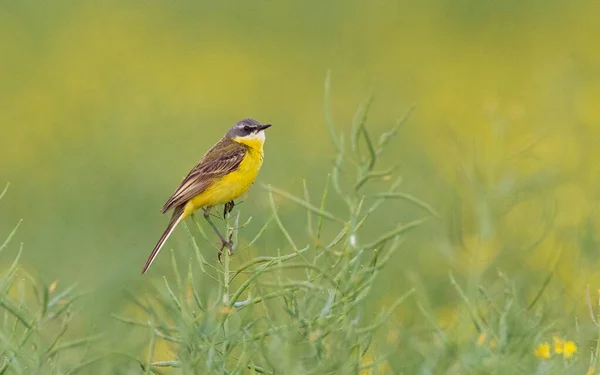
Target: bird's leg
224, 243
227, 208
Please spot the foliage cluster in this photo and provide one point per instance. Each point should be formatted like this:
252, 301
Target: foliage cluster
307, 309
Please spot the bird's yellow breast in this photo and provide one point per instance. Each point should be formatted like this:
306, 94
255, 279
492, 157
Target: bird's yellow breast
234, 184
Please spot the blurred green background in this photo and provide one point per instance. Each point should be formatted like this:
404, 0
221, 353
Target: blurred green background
105, 106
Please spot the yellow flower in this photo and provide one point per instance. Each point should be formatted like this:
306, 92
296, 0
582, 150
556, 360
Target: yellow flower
542, 351
481, 339
569, 349
52, 286
566, 348
558, 344
383, 368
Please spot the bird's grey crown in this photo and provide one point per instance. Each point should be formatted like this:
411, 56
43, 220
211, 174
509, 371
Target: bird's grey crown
244, 127
247, 122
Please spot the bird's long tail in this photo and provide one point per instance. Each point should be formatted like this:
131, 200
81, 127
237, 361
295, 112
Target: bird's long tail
175, 219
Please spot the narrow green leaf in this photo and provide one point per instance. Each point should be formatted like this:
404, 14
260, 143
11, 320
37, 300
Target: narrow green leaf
260, 233
14, 311
5, 190
386, 137
386, 315
172, 295
174, 364
286, 234
411, 199
10, 236
388, 236
365, 134
268, 260
303, 203
322, 208
73, 344
148, 370
308, 211
474, 316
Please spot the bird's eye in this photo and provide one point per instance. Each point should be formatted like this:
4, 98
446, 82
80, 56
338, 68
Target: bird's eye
247, 128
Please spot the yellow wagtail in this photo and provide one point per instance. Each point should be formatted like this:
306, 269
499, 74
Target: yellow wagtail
223, 174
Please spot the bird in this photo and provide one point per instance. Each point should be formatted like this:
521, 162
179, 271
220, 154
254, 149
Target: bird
225, 172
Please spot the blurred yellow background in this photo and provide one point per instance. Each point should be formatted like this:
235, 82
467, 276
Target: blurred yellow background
105, 106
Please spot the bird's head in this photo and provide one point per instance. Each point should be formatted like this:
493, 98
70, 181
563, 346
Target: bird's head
248, 131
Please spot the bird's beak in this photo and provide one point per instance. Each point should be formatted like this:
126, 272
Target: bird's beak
264, 126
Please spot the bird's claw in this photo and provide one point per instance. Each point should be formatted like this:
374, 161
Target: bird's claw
229, 246
227, 208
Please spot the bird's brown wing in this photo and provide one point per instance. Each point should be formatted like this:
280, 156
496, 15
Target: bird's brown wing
221, 159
